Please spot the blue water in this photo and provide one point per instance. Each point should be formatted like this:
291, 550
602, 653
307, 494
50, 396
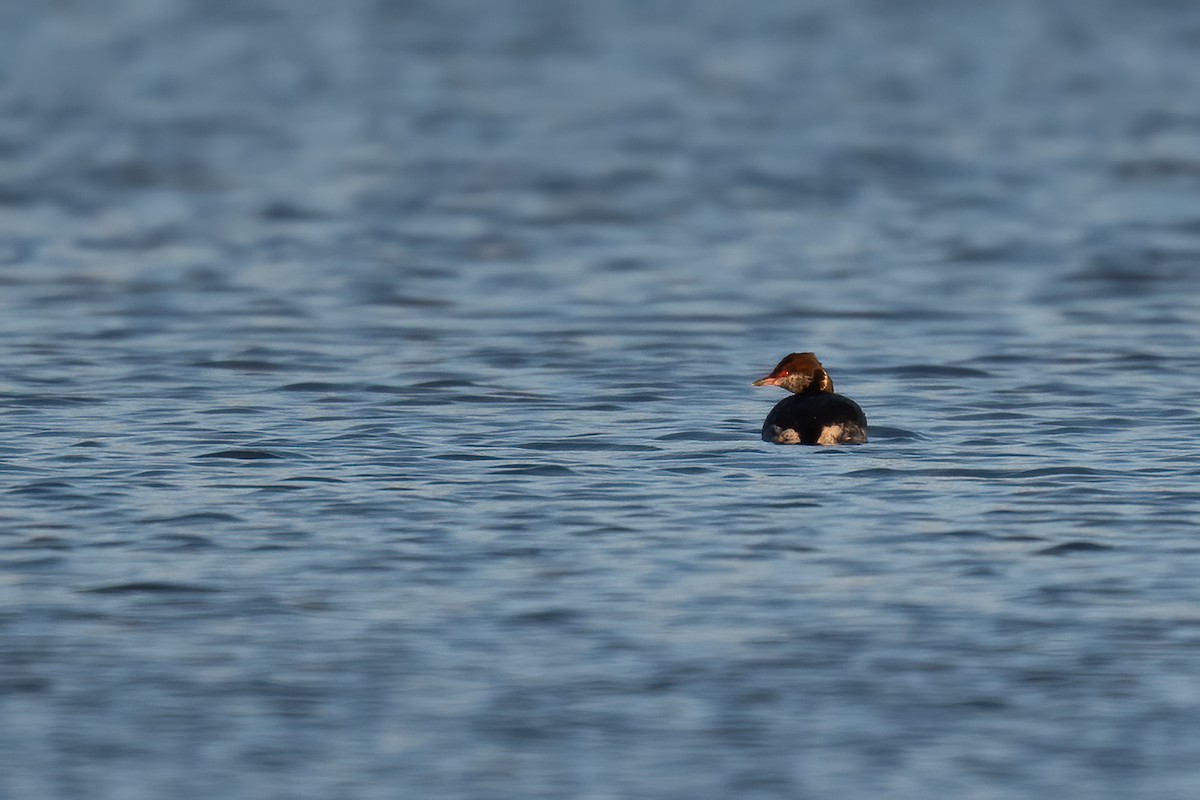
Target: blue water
374, 387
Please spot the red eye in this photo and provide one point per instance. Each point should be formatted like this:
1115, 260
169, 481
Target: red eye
783, 373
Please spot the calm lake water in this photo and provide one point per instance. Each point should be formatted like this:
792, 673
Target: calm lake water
374, 387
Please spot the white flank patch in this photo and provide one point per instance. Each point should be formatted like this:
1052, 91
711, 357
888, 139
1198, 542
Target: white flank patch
786, 436
831, 434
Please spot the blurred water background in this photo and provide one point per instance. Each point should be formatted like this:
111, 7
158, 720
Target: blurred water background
374, 388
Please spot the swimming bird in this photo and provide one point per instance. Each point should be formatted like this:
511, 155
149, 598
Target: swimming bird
813, 413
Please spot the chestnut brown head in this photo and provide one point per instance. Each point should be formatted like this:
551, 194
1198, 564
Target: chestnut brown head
798, 373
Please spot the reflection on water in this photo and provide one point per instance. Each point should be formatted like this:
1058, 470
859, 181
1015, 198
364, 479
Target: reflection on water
377, 420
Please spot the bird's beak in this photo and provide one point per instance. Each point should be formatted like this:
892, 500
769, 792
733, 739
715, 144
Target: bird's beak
767, 381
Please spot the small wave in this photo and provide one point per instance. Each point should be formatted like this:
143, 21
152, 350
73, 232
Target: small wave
242, 454
284, 211
991, 416
535, 469
1073, 547
232, 411
386, 298
877, 432
47, 400
982, 472
933, 371
963, 533
638, 397
184, 541
318, 386
41, 487
1157, 169
587, 444
873, 472
694, 436
40, 562
333, 387
1048, 471
45, 543
244, 365
199, 516
148, 587
873, 314
465, 457
549, 616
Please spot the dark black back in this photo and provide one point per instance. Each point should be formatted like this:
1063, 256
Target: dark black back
809, 414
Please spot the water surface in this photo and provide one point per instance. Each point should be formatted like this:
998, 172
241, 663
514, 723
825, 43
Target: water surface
377, 420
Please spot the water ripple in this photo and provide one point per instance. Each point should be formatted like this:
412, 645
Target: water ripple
377, 420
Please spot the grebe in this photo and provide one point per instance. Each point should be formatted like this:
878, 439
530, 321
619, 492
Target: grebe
813, 414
